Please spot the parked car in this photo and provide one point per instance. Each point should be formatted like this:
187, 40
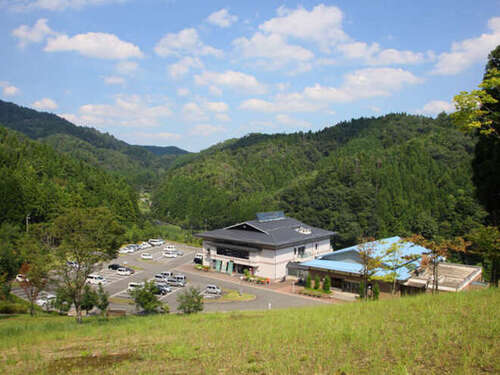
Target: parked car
179, 253
124, 271
172, 281
134, 285
95, 279
21, 278
170, 247
126, 250
180, 277
144, 246
160, 289
213, 289
146, 256
166, 274
156, 242
198, 258
170, 254
160, 278
72, 264
114, 266
45, 299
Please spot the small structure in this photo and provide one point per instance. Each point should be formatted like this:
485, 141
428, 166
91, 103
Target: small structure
345, 268
266, 247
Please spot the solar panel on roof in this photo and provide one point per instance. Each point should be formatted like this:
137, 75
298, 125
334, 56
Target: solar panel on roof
270, 216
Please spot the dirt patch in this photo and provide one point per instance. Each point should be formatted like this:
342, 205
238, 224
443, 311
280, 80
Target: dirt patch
66, 364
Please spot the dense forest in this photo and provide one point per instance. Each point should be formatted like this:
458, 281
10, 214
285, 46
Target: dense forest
141, 165
392, 175
38, 182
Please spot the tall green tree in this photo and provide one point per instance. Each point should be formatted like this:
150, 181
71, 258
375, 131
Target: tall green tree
478, 111
370, 261
485, 241
86, 237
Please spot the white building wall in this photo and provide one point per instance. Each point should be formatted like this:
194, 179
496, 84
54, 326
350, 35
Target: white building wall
271, 264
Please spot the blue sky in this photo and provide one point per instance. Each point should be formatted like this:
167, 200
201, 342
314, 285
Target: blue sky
194, 73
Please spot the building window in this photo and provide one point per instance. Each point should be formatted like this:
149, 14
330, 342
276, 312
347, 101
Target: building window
294, 251
301, 251
316, 246
233, 253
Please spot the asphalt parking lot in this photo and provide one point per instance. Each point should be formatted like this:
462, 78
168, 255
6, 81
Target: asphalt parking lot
146, 269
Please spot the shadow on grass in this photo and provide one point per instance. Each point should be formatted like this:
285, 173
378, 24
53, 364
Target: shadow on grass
64, 365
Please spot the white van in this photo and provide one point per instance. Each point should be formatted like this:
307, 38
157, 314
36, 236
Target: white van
133, 286
95, 279
170, 254
156, 242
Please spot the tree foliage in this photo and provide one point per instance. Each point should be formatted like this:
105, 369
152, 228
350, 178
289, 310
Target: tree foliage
146, 299
190, 301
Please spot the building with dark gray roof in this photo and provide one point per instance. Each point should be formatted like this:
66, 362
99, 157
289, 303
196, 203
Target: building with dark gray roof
265, 246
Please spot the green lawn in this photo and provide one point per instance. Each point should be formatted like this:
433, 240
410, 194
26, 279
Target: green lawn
445, 334
230, 295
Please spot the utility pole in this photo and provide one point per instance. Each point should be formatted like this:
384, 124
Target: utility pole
27, 222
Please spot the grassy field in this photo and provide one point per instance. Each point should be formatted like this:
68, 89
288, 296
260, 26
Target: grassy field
446, 334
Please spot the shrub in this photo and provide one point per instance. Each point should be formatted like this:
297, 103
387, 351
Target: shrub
89, 298
376, 291
102, 302
146, 299
308, 281
191, 301
316, 282
63, 300
327, 284
13, 308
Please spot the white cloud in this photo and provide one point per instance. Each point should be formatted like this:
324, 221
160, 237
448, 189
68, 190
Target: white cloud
214, 90
223, 117
181, 67
182, 91
360, 84
70, 117
193, 112
435, 107
126, 111
8, 89
235, 80
98, 45
45, 103
322, 25
114, 80
289, 121
218, 107
374, 55
222, 18
126, 68
35, 34
469, 51
206, 130
273, 47
56, 5
184, 42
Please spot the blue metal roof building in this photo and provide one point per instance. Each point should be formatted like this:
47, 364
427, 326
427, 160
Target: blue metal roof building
347, 260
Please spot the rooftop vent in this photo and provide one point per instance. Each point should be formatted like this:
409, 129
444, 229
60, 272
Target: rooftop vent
270, 216
303, 230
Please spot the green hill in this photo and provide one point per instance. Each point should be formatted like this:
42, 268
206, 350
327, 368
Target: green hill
36, 180
392, 175
140, 164
454, 333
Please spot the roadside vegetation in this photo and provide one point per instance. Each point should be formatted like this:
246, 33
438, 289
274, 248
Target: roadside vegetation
447, 334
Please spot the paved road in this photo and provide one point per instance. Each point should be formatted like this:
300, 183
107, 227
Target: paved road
117, 285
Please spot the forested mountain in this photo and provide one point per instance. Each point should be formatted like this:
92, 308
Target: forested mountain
36, 180
140, 164
393, 175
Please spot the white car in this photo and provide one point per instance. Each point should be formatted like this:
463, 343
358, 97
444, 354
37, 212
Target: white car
144, 246
146, 256
170, 247
134, 286
170, 254
213, 289
45, 299
20, 278
156, 242
95, 279
122, 271
126, 250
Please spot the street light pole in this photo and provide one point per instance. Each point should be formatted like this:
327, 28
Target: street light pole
27, 222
